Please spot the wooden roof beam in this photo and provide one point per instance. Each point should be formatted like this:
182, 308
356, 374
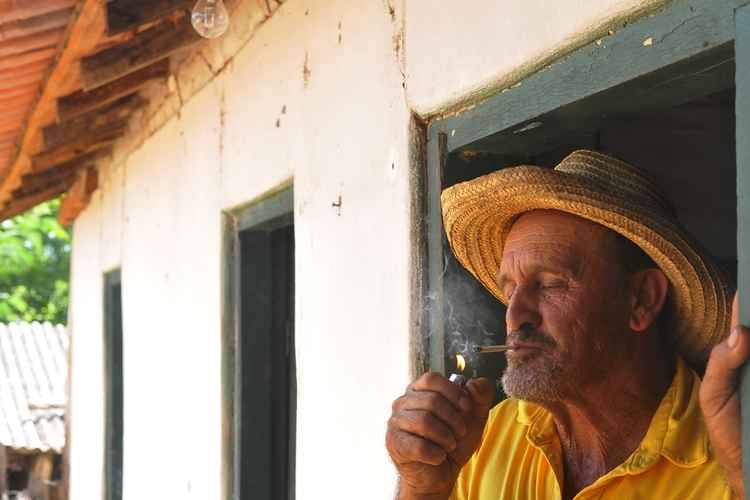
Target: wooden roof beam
125, 15
49, 38
68, 166
79, 195
37, 182
21, 205
82, 102
30, 26
33, 186
81, 159
58, 134
63, 182
94, 141
144, 49
15, 10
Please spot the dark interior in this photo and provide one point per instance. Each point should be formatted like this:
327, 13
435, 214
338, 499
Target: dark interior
678, 124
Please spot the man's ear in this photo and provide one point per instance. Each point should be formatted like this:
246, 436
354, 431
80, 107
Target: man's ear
648, 294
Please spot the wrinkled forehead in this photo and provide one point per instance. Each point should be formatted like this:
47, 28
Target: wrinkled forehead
558, 238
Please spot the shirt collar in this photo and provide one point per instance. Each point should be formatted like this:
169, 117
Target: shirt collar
677, 430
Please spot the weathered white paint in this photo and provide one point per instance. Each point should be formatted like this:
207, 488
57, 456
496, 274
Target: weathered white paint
460, 51
343, 130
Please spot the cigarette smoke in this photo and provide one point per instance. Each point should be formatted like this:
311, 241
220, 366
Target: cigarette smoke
472, 316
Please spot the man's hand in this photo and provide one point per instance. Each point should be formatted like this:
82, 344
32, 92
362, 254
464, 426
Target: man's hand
433, 431
720, 400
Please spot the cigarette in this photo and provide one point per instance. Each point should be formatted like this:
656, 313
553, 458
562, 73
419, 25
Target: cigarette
492, 348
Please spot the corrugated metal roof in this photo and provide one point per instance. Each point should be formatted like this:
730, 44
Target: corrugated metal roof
33, 371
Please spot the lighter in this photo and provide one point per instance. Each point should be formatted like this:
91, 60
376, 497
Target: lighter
457, 378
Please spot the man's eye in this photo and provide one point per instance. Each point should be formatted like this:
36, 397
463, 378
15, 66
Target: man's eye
550, 285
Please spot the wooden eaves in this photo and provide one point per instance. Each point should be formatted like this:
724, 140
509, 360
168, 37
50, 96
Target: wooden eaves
71, 75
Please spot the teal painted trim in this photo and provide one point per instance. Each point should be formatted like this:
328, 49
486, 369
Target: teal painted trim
229, 351
434, 331
683, 30
742, 114
264, 214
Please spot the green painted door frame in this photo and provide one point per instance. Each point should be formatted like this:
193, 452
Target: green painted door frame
742, 113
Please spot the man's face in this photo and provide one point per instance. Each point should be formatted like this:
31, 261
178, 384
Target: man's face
568, 308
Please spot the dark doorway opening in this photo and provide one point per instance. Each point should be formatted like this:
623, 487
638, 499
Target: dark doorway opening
113, 386
267, 368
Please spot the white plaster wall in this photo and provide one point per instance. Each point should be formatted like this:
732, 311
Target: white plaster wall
342, 131
158, 216
459, 51
86, 384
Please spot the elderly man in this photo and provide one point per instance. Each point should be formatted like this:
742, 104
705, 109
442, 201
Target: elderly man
610, 308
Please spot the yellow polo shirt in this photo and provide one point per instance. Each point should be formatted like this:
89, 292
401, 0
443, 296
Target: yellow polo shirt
520, 455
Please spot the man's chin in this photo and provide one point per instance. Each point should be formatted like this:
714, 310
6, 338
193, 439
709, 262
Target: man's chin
537, 384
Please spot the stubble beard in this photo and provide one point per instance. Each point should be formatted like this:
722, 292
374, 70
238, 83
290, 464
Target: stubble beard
540, 382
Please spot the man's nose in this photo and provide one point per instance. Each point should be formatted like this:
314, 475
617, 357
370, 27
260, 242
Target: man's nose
522, 309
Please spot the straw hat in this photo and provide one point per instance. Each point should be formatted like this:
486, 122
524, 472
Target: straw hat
478, 215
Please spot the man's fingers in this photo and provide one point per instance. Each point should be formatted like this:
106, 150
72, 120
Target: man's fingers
407, 448
735, 310
436, 382
424, 424
436, 404
729, 355
482, 393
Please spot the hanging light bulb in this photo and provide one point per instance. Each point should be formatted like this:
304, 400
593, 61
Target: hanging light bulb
210, 18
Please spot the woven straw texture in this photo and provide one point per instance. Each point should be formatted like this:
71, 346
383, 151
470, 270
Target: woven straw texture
478, 215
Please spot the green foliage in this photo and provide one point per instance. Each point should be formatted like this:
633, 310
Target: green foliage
34, 266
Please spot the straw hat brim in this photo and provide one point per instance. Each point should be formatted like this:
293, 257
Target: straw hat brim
478, 215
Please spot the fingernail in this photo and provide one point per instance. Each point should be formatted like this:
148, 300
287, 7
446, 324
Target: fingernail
734, 336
